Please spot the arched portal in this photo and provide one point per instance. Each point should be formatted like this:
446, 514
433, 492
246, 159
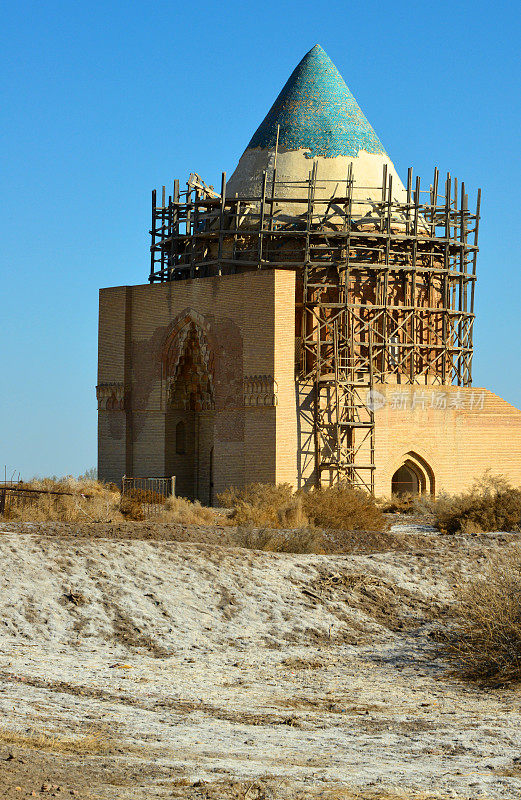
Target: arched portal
189, 419
405, 481
413, 476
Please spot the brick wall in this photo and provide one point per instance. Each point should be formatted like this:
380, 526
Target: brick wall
238, 317
471, 430
255, 432
284, 371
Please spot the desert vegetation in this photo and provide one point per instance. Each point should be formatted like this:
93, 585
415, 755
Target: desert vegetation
93, 742
85, 500
278, 506
300, 540
342, 508
492, 504
413, 504
485, 642
64, 499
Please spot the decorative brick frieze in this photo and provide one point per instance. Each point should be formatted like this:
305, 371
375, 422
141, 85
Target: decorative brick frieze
110, 396
260, 390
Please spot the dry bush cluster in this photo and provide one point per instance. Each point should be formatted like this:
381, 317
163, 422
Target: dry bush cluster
277, 506
264, 504
72, 501
485, 644
180, 510
491, 505
417, 505
93, 501
342, 508
300, 540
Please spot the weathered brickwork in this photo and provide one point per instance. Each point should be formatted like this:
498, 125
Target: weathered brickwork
218, 355
458, 432
202, 352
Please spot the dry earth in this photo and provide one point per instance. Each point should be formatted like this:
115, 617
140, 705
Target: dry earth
137, 664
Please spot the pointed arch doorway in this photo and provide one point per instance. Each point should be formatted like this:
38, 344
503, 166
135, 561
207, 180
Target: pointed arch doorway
414, 476
190, 415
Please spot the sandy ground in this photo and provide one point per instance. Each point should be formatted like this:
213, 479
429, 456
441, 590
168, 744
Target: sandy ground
136, 666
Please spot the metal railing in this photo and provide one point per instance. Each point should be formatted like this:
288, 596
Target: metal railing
150, 493
16, 495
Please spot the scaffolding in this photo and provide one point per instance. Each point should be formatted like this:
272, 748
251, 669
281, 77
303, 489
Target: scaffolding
385, 283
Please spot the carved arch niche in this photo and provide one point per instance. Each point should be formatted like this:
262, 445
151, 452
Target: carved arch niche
187, 368
187, 363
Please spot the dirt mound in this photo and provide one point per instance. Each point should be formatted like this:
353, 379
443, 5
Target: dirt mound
135, 666
335, 542
158, 595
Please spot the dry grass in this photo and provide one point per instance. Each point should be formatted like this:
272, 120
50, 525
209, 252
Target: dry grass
131, 508
83, 745
276, 506
398, 504
180, 510
303, 540
418, 505
81, 501
485, 644
342, 508
272, 518
92, 501
491, 505
263, 504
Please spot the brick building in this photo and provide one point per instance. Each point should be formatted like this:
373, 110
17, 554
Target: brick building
309, 322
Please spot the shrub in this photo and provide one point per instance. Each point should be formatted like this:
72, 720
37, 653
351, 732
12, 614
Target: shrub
419, 505
180, 510
305, 540
275, 506
342, 508
73, 501
131, 508
93, 501
262, 504
491, 505
257, 494
398, 504
485, 644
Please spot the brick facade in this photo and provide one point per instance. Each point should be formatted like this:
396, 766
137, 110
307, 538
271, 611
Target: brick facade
458, 432
212, 362
228, 326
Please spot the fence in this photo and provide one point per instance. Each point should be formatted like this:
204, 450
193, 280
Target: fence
151, 493
15, 495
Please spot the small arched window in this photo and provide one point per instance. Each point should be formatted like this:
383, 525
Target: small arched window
180, 438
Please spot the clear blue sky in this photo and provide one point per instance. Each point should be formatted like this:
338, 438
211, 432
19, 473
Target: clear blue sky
104, 101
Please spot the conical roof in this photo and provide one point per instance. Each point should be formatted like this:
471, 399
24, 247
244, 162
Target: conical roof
317, 118
316, 112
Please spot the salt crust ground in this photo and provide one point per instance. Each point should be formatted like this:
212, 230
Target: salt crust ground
217, 672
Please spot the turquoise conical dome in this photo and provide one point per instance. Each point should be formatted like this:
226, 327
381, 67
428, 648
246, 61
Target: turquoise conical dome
317, 120
315, 111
